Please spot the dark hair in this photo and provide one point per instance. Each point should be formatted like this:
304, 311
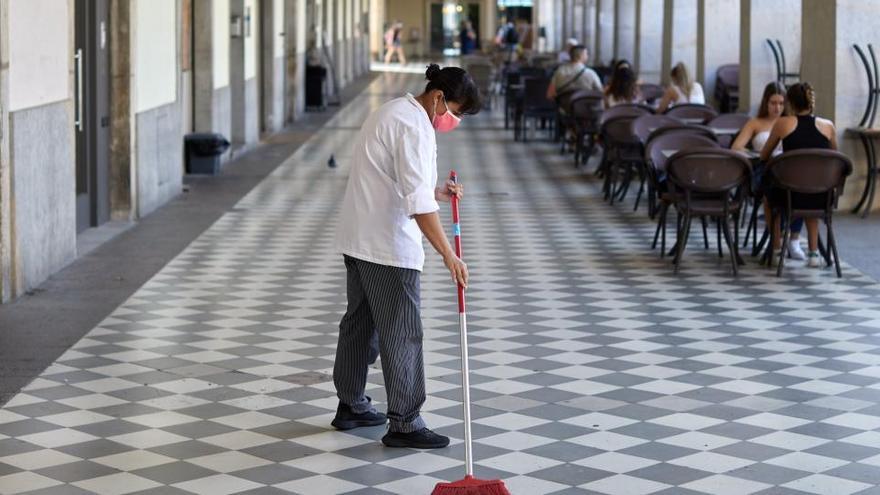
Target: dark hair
575, 52
771, 89
623, 84
457, 85
621, 62
800, 97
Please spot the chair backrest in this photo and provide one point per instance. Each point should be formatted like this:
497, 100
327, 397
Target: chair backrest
644, 125
587, 111
536, 72
810, 171
482, 74
564, 100
728, 75
627, 109
729, 120
651, 92
658, 145
693, 130
704, 113
475, 58
512, 77
603, 71
535, 93
617, 132
708, 170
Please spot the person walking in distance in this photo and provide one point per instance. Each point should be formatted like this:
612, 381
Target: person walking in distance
390, 203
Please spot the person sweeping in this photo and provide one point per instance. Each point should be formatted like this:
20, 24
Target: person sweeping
390, 202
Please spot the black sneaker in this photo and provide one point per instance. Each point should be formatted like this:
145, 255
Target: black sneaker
422, 439
345, 419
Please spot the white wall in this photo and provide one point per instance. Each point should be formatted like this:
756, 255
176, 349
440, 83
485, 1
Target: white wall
278, 27
155, 53
302, 26
220, 36
650, 40
606, 33
720, 39
625, 30
760, 20
250, 40
39, 52
684, 35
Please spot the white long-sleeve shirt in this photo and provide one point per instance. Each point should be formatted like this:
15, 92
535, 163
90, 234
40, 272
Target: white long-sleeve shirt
393, 176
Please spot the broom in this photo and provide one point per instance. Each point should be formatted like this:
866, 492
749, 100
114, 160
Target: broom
469, 485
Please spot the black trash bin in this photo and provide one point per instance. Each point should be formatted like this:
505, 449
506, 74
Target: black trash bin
203, 150
315, 75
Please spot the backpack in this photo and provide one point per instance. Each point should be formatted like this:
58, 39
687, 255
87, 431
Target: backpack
511, 37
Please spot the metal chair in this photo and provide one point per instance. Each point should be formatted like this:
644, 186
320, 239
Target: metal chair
564, 122
656, 149
585, 113
709, 182
727, 87
534, 105
512, 87
642, 127
818, 172
483, 74
651, 93
626, 110
623, 150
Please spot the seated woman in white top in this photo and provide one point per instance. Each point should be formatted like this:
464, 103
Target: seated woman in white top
623, 88
681, 90
757, 129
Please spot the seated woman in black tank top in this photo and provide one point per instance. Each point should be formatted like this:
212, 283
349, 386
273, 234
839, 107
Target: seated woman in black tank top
799, 131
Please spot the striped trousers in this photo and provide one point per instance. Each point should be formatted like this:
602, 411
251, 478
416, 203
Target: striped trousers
382, 318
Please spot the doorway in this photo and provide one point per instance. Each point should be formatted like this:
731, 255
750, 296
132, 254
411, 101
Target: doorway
447, 27
92, 118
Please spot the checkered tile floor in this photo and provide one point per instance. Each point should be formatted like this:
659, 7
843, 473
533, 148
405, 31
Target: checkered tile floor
595, 369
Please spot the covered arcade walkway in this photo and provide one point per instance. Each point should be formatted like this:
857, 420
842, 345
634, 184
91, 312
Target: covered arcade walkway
595, 369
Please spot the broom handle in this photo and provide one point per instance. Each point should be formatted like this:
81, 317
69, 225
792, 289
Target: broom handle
462, 323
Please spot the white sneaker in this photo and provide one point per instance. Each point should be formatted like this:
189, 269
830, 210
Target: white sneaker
813, 259
795, 252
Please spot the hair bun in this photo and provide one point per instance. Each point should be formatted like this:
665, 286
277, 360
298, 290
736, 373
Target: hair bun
432, 72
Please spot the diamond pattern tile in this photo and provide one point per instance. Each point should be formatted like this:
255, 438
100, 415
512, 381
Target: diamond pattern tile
595, 369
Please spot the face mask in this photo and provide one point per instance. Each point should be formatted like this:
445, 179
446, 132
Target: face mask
446, 122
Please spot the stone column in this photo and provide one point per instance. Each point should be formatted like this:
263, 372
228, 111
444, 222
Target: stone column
242, 77
605, 33
717, 40
211, 97
489, 23
589, 29
624, 29
759, 20
649, 40
837, 74
679, 36
272, 58
565, 15
296, 31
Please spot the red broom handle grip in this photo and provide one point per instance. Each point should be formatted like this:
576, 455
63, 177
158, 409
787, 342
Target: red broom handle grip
456, 230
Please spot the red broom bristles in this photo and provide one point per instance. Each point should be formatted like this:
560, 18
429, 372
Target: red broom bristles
471, 486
